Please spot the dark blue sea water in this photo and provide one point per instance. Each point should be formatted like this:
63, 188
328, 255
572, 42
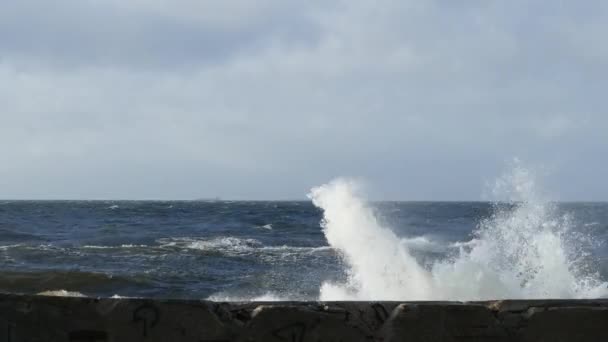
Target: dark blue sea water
222, 249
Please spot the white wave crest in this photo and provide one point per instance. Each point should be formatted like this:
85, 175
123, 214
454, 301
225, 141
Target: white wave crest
5, 247
217, 244
267, 297
61, 293
229, 245
114, 247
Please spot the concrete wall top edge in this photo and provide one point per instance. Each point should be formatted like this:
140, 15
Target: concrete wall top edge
34, 318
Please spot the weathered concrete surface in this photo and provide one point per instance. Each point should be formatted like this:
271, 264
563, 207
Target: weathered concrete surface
39, 318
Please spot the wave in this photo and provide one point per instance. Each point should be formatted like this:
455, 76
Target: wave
123, 246
6, 247
524, 251
49, 280
267, 297
301, 249
223, 244
425, 244
60, 293
228, 245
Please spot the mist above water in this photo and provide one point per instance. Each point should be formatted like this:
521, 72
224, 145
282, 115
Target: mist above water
524, 250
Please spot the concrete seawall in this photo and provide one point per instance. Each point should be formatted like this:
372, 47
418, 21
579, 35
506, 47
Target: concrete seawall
38, 318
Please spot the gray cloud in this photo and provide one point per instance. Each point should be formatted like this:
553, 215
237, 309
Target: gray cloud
137, 34
425, 100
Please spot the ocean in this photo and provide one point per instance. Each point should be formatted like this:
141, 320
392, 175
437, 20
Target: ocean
336, 246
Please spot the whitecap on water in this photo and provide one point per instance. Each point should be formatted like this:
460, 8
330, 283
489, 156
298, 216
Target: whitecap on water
61, 293
236, 246
114, 247
267, 297
117, 296
5, 247
220, 244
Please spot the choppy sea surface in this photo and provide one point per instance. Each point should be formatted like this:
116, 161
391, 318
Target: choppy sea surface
164, 249
335, 246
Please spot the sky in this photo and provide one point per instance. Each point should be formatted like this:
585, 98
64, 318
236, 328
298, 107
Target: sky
183, 99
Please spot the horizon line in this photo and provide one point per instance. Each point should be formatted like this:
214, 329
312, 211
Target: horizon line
219, 199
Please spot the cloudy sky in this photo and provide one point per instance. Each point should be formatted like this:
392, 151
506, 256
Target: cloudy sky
166, 99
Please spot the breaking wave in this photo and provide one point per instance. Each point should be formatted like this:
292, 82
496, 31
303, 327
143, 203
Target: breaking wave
524, 250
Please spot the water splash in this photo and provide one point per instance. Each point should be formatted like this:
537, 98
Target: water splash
380, 265
524, 250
